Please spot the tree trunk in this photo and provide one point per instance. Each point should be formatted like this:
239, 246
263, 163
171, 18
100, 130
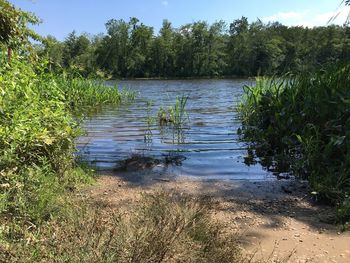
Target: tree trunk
9, 54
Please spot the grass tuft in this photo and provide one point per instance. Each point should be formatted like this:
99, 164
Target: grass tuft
162, 228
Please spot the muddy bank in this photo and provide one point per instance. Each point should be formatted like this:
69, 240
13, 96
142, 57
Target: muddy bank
276, 219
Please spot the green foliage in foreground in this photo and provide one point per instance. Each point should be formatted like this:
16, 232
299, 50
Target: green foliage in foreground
14, 31
162, 228
37, 137
302, 124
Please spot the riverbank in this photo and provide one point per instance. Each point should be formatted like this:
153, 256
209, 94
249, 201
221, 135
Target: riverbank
230, 77
275, 219
300, 125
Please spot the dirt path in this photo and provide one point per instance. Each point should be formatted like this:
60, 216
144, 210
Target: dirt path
275, 219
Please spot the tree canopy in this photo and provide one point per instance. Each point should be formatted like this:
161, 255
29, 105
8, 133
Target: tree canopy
14, 32
133, 49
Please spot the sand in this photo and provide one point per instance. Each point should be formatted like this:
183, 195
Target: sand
275, 219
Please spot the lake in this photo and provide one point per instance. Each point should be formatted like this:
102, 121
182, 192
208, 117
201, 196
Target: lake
208, 144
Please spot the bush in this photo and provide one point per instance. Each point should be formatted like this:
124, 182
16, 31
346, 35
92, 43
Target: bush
302, 124
38, 128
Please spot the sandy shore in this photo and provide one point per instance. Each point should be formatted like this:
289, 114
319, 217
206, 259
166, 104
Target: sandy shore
275, 219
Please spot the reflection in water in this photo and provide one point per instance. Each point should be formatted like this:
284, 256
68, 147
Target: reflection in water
209, 143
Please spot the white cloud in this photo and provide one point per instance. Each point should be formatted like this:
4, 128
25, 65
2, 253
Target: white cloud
165, 3
308, 18
284, 16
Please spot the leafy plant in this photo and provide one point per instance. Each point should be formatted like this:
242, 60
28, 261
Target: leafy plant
14, 33
302, 124
39, 123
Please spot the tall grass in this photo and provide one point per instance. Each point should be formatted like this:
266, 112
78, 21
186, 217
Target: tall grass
84, 95
175, 115
302, 123
162, 228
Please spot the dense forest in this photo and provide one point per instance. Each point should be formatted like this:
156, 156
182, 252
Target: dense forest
132, 49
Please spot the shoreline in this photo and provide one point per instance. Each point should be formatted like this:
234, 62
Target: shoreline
183, 78
274, 220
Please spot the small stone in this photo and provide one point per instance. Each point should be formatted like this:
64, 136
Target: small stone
300, 240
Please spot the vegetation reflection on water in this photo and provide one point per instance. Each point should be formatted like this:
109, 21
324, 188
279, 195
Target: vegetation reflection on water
207, 142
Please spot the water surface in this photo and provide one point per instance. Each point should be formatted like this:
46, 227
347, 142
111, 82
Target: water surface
209, 142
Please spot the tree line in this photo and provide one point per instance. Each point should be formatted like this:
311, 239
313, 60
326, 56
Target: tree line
132, 49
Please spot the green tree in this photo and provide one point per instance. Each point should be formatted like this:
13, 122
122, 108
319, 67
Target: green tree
74, 47
162, 52
131, 49
138, 61
53, 50
113, 50
216, 43
14, 32
238, 48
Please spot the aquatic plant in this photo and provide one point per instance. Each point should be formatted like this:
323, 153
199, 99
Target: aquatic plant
150, 118
163, 116
175, 115
86, 95
301, 123
178, 113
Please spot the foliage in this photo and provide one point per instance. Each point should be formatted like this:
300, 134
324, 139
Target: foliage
163, 228
85, 95
176, 115
131, 49
150, 118
14, 33
35, 126
39, 217
38, 127
301, 124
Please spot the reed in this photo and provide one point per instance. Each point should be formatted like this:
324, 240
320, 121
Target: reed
89, 95
176, 115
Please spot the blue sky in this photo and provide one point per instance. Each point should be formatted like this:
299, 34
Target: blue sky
63, 16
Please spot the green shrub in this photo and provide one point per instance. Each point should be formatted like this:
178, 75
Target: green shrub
302, 124
39, 122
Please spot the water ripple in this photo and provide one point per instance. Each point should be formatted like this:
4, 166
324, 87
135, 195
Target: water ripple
210, 143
